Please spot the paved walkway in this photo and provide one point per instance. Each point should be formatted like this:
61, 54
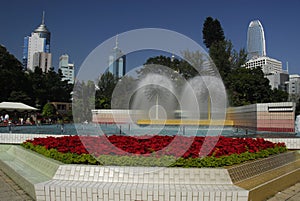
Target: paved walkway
290, 194
10, 191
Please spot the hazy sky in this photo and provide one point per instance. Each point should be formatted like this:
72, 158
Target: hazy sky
77, 27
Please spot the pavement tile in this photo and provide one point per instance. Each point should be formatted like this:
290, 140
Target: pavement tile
10, 191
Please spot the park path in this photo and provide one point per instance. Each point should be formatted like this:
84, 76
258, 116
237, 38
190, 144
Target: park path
290, 194
10, 191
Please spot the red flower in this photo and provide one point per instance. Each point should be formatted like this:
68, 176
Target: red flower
178, 146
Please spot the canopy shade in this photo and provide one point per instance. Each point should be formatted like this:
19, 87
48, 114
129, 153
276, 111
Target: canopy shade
14, 106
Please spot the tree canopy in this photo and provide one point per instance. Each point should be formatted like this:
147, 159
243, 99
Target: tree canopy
212, 32
32, 88
244, 86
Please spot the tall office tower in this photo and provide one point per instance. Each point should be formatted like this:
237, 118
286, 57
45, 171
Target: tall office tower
37, 47
67, 68
117, 62
42, 60
256, 43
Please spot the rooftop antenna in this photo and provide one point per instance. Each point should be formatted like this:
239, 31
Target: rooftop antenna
287, 67
43, 19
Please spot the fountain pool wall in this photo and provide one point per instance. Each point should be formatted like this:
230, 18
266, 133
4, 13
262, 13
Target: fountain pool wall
123, 129
255, 118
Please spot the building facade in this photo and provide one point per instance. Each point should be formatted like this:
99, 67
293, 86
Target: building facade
257, 57
267, 64
256, 43
272, 70
278, 80
37, 43
264, 117
67, 69
294, 85
117, 62
42, 60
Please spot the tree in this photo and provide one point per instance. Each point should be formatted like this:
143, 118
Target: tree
173, 65
11, 75
249, 86
49, 110
57, 89
106, 86
212, 32
123, 93
83, 101
279, 95
39, 90
195, 66
34, 88
220, 52
238, 58
19, 96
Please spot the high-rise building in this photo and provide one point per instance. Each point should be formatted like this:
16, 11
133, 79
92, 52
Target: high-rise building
257, 57
66, 68
267, 64
36, 51
117, 62
256, 43
272, 70
42, 60
294, 85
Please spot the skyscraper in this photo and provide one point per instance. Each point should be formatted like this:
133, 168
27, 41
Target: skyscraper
256, 44
36, 51
117, 61
67, 69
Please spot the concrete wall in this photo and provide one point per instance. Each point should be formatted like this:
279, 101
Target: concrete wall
270, 117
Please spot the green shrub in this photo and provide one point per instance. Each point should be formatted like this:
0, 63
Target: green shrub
154, 161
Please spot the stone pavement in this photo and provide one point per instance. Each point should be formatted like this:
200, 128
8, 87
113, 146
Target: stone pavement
10, 191
290, 194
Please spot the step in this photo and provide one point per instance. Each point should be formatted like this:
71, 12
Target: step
25, 168
266, 184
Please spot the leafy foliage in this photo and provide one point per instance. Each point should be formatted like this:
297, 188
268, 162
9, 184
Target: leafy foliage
212, 32
220, 52
106, 86
244, 86
49, 110
181, 67
83, 101
67, 150
32, 88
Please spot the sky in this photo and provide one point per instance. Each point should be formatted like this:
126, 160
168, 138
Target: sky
77, 27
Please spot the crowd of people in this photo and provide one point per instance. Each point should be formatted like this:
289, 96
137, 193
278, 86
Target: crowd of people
5, 120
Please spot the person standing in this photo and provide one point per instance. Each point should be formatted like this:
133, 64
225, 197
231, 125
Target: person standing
62, 128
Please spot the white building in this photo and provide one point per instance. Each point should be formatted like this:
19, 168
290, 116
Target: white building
272, 70
267, 64
294, 84
67, 69
42, 60
38, 42
278, 80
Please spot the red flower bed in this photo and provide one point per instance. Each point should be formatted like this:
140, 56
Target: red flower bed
178, 146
